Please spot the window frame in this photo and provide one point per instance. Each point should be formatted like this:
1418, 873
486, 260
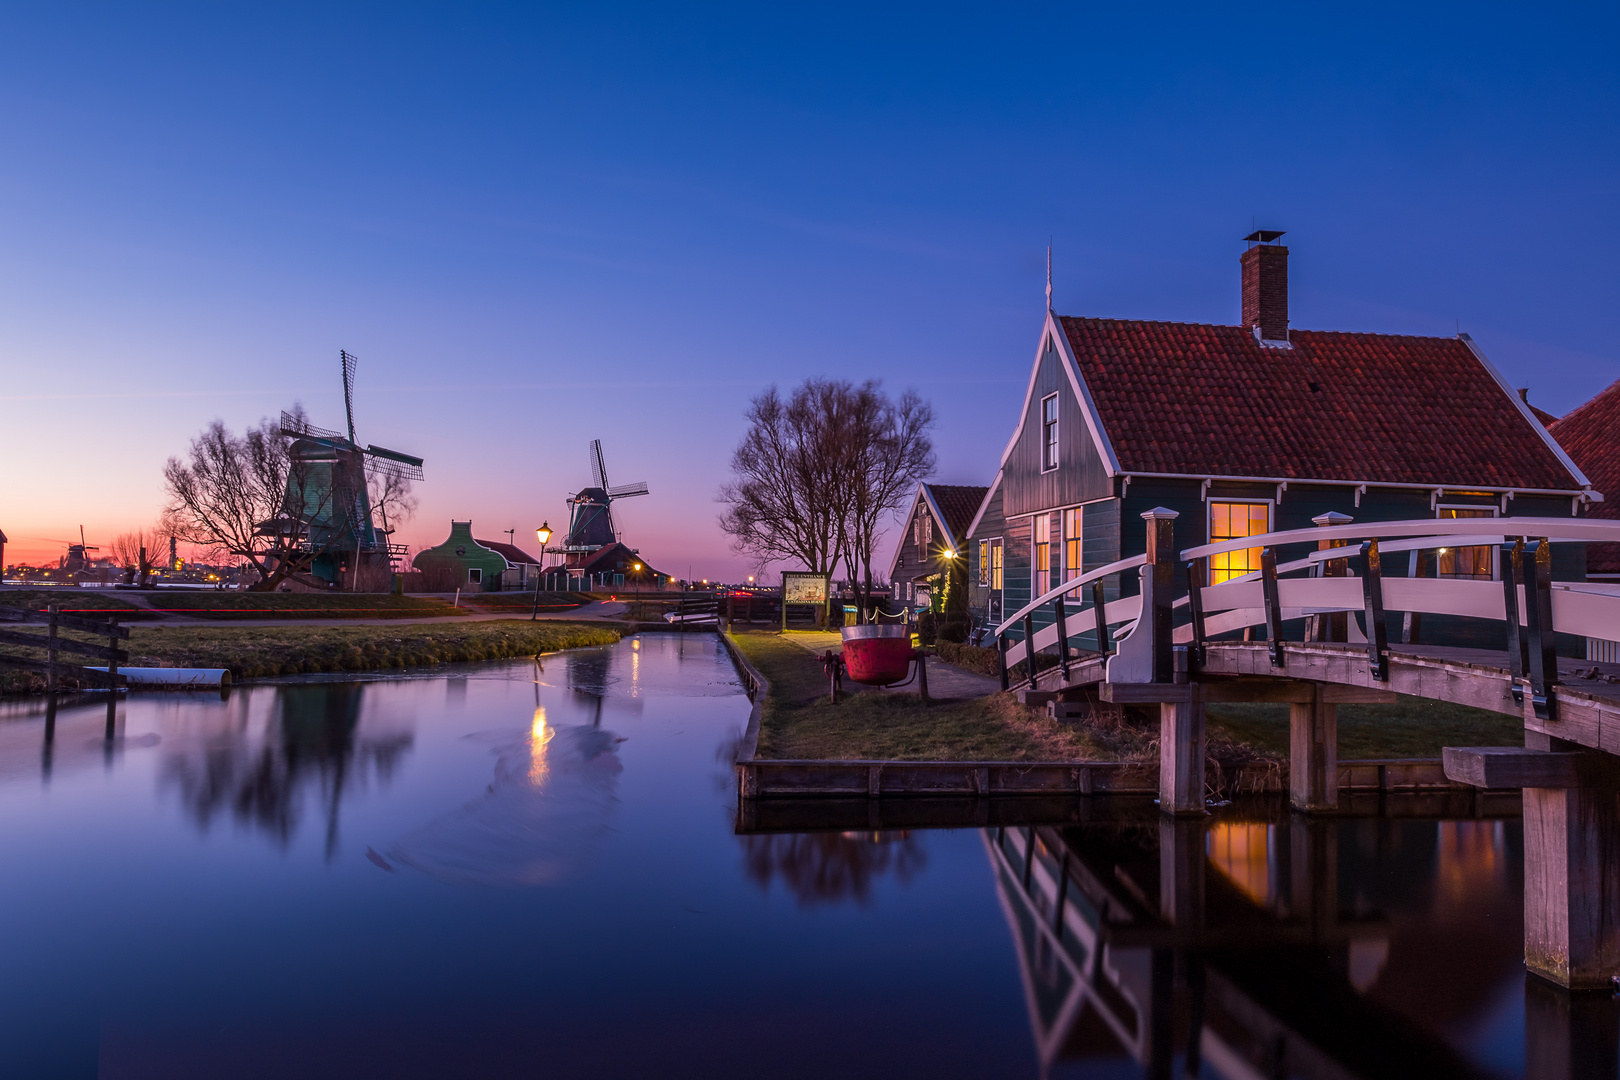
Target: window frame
1039, 574
1077, 514
475, 575
1491, 512
1050, 434
984, 564
998, 564
1209, 531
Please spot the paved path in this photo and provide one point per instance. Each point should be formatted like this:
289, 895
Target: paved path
945, 682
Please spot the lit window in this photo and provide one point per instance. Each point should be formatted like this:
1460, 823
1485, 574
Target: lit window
1233, 521
1465, 562
997, 565
1049, 433
1043, 553
984, 562
1073, 562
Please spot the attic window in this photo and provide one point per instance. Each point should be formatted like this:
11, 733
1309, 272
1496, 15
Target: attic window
1049, 432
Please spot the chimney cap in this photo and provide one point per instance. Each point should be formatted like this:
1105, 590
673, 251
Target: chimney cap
1263, 236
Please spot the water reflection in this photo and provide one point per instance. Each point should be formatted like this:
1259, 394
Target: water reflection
314, 748
829, 867
1267, 944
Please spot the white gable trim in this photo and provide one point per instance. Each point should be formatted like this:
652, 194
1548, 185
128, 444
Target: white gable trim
894, 560
1524, 410
1088, 408
984, 504
939, 517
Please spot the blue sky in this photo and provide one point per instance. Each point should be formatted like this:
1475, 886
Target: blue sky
542, 226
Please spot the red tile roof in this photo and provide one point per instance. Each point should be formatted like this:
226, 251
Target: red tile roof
958, 502
1199, 400
513, 555
1591, 435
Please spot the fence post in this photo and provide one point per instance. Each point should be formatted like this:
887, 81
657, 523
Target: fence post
1537, 566
1195, 607
1372, 591
1001, 661
1062, 637
1268, 589
50, 647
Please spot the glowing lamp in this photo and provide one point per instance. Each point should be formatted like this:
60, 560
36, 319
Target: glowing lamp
543, 533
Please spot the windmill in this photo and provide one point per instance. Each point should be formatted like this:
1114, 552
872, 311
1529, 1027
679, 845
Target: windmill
327, 502
590, 526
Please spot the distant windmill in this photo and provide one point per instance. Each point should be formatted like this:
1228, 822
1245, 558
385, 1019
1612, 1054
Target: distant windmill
591, 521
327, 496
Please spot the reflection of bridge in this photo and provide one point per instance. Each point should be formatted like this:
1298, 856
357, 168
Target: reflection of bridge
1222, 949
1172, 654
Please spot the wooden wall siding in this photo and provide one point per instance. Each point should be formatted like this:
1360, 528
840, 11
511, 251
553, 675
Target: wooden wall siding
912, 564
992, 523
1019, 534
1080, 475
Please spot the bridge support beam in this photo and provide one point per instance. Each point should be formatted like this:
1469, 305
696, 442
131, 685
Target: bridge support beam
1571, 887
1313, 754
1181, 754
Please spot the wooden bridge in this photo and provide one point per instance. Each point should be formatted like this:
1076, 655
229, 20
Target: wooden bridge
1181, 653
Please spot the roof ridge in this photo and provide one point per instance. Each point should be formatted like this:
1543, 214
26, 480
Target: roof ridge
1583, 406
1247, 331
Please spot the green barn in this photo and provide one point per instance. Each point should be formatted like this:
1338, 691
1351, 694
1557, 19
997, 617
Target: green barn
466, 563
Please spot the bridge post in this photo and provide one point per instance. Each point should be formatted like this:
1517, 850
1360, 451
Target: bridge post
1332, 626
1313, 754
1181, 754
1098, 604
1161, 555
1571, 892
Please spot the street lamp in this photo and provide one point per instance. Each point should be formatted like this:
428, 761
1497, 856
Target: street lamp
542, 534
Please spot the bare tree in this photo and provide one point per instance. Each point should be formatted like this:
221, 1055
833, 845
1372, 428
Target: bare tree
784, 502
816, 474
246, 496
140, 552
392, 500
886, 453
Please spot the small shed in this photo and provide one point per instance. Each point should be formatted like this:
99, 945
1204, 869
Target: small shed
463, 562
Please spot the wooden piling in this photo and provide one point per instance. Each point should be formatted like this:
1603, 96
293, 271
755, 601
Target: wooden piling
1313, 754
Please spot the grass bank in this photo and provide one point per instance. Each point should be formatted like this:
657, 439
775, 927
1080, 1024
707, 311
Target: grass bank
521, 603
799, 721
71, 600
1412, 727
256, 652
212, 604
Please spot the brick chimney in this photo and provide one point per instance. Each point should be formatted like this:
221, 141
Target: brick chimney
1265, 285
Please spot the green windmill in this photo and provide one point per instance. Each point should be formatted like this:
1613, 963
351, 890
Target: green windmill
326, 511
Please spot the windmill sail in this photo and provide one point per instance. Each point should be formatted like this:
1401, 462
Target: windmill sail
349, 362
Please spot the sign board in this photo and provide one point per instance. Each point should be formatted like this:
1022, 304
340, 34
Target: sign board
801, 587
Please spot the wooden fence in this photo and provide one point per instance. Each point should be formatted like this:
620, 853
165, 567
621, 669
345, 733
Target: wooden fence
54, 644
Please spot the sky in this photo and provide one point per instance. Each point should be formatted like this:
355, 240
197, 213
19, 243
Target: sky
538, 226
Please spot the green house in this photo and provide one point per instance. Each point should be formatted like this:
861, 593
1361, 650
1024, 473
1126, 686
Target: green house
470, 564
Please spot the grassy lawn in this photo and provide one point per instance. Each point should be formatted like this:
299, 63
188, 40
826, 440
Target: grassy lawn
291, 650
220, 604
1412, 727
71, 600
800, 722
514, 603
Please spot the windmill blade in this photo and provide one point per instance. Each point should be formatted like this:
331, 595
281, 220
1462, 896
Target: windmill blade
598, 465
625, 491
349, 361
395, 463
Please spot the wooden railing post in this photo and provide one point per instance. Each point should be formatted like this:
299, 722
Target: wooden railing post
1412, 621
1161, 554
1098, 606
1372, 591
1537, 566
1029, 649
1062, 637
1268, 589
1512, 577
53, 609
1001, 661
1333, 626
1195, 608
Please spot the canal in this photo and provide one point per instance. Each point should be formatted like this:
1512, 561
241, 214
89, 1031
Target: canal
530, 869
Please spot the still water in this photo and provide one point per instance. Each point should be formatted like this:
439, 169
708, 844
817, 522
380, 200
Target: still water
518, 870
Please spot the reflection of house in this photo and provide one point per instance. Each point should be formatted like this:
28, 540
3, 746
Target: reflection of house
466, 563
1251, 428
935, 530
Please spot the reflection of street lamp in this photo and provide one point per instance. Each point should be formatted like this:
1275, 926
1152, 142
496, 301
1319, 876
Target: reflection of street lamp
542, 534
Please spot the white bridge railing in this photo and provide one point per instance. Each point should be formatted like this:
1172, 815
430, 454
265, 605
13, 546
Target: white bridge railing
1339, 589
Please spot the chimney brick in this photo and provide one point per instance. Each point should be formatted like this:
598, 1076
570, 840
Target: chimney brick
1265, 290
